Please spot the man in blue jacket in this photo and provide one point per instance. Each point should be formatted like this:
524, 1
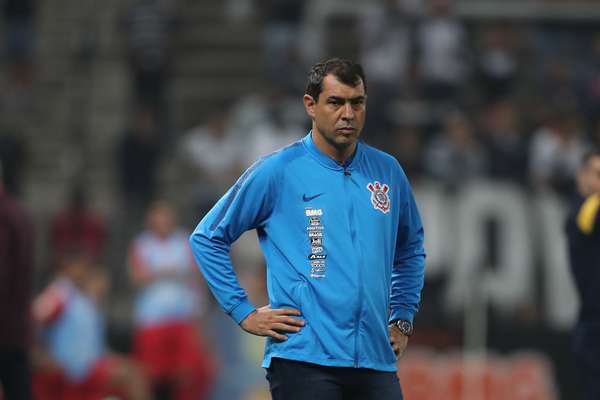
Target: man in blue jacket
343, 243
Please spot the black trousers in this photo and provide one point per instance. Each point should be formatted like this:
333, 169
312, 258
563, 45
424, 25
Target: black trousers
15, 374
587, 356
295, 380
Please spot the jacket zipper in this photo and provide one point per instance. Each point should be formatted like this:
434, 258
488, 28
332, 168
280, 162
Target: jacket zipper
347, 174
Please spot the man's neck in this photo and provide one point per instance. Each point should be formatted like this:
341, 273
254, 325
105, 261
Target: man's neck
339, 155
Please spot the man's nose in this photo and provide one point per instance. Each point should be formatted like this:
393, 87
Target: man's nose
348, 111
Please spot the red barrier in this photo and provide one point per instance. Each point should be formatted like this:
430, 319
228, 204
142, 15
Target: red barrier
523, 376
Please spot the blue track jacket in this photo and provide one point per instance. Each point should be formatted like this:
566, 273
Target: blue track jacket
343, 244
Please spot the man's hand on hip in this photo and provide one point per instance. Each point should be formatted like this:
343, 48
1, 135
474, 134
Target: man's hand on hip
270, 322
398, 341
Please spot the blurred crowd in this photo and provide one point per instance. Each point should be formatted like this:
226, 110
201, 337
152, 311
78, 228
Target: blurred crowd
454, 100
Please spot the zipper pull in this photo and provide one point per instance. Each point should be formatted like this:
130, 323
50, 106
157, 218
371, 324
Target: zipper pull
347, 173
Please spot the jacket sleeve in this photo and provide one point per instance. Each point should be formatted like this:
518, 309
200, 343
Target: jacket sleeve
247, 205
409, 260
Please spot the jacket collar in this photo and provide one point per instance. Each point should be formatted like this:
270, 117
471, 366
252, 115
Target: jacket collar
329, 162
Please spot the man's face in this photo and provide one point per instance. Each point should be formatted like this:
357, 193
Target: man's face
161, 220
588, 178
339, 113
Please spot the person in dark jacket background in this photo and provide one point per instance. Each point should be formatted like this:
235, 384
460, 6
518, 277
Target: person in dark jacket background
16, 269
583, 233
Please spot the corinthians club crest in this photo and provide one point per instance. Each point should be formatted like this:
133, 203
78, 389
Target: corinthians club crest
379, 196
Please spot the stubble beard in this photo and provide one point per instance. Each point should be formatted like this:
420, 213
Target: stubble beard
340, 145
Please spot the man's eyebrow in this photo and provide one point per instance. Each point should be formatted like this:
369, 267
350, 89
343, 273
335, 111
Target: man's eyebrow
338, 98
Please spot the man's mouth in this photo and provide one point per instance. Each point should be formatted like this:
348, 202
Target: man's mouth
346, 130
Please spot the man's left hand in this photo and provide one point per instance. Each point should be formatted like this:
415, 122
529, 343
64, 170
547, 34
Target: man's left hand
398, 341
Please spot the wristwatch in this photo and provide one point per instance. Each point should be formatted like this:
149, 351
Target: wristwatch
405, 327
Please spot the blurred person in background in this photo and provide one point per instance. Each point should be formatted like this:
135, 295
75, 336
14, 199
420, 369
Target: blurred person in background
168, 341
387, 46
71, 358
149, 26
138, 156
589, 80
213, 153
406, 144
583, 234
442, 52
387, 37
555, 152
19, 21
505, 144
78, 228
237, 352
274, 131
256, 109
455, 156
341, 306
555, 82
282, 20
16, 274
497, 61
13, 153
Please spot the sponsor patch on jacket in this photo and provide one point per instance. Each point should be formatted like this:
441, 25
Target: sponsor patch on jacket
315, 231
313, 212
316, 249
317, 269
379, 196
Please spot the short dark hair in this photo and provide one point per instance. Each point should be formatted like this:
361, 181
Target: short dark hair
346, 71
588, 155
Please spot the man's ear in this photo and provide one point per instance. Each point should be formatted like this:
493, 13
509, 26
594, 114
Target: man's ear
309, 105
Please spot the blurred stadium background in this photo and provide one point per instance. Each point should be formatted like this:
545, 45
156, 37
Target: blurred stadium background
109, 105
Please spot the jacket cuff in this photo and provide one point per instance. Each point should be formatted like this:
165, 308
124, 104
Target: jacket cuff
241, 311
403, 314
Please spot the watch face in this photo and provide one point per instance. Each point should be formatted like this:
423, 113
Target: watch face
405, 327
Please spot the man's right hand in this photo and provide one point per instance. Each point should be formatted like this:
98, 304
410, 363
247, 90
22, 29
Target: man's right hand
269, 322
